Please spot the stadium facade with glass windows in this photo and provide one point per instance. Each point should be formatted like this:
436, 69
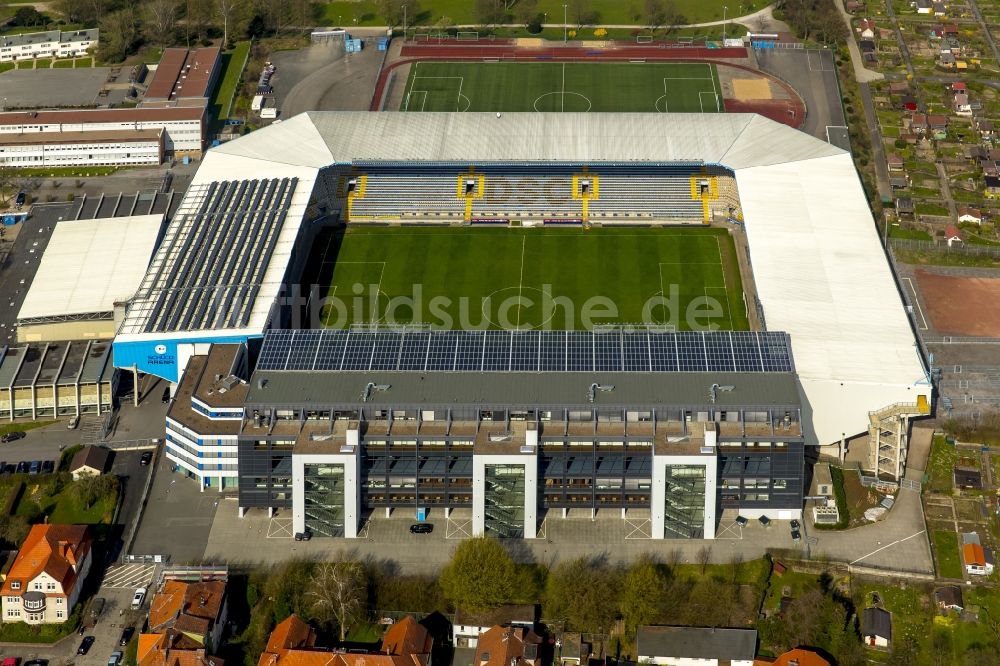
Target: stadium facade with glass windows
678, 427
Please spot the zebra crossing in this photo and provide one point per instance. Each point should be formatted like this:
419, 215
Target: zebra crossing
129, 576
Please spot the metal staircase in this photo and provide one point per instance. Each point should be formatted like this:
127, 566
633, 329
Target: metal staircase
888, 439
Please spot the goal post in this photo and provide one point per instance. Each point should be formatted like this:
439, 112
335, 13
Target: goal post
467, 36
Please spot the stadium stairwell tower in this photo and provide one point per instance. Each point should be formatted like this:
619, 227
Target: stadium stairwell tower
887, 437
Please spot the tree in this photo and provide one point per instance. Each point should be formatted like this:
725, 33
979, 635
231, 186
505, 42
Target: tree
13, 530
704, 557
581, 12
90, 489
160, 17
337, 590
641, 593
480, 576
489, 12
227, 12
395, 12
119, 34
28, 16
655, 14
527, 12
584, 594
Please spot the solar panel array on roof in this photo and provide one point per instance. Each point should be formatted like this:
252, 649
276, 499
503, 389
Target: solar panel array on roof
618, 350
211, 262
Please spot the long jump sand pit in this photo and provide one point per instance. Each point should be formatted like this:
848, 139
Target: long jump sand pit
961, 305
745, 90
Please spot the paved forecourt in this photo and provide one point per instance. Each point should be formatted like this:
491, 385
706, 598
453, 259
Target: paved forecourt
549, 86
540, 278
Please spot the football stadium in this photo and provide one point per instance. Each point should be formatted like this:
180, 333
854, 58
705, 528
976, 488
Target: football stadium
512, 316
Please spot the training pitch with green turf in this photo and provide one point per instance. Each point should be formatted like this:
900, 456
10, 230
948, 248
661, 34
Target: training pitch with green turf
557, 279
548, 86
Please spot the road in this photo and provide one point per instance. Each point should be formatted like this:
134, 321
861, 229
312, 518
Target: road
946, 190
985, 29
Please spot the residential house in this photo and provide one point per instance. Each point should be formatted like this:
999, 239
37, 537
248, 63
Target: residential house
197, 610
947, 59
949, 598
508, 646
992, 186
952, 235
939, 9
894, 162
676, 646
904, 207
898, 87
937, 125
796, 657
960, 104
853, 6
908, 102
45, 580
937, 32
922, 6
293, 643
970, 214
89, 461
163, 650
918, 123
986, 128
876, 627
866, 28
899, 182
867, 46
974, 556
468, 626
950, 30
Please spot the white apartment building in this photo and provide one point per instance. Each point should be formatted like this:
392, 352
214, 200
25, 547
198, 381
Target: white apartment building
48, 44
57, 149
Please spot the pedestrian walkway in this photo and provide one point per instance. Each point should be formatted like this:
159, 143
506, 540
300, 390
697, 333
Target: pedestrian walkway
128, 576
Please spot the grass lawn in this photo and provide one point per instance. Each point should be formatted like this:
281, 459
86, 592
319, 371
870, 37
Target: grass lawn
909, 234
232, 69
365, 632
475, 278
7, 66
64, 63
23, 427
62, 506
64, 172
942, 463
19, 632
928, 208
461, 12
43, 63
534, 86
750, 572
946, 554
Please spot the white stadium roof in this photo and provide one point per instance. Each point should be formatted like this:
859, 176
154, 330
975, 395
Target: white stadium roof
820, 272
89, 265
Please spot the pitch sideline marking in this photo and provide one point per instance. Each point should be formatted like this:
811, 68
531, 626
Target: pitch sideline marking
520, 282
916, 301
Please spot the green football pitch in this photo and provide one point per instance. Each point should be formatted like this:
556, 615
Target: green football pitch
548, 86
555, 279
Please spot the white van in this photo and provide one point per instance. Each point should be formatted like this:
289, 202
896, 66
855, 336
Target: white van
269, 112
257, 103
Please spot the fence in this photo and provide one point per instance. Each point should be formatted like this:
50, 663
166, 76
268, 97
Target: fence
992, 251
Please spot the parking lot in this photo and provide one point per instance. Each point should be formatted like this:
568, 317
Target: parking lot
54, 88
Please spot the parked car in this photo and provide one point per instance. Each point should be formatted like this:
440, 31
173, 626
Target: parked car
48, 466
138, 598
741, 521
765, 521
303, 536
21, 198
145, 458
85, 645
115, 658
35, 467
421, 528
36, 662
9, 468
11, 437
794, 524
126, 636
22, 467
11, 661
796, 536
73, 423
165, 398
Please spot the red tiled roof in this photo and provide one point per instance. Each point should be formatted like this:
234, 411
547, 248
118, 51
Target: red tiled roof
54, 549
407, 637
183, 73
